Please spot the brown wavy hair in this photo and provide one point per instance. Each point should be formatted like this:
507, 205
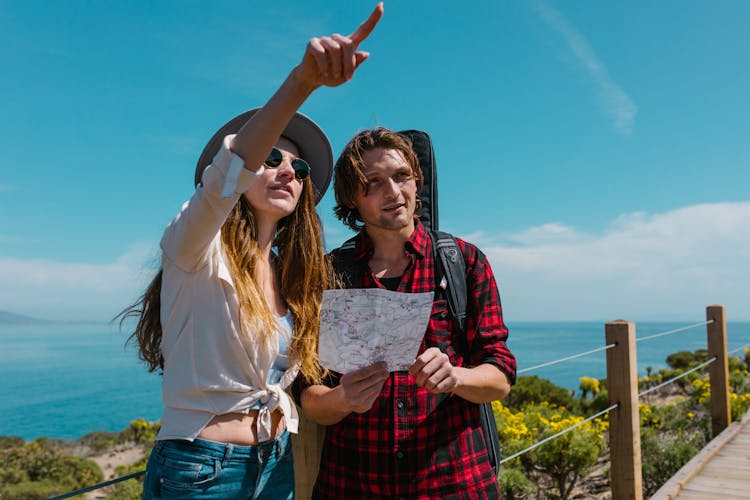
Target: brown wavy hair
348, 175
304, 272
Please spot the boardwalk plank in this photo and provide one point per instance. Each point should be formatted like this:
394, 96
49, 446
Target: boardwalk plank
720, 471
702, 495
728, 473
718, 485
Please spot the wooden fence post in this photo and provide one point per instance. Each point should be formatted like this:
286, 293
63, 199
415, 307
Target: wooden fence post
718, 371
624, 421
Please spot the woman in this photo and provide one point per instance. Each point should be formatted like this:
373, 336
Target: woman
232, 316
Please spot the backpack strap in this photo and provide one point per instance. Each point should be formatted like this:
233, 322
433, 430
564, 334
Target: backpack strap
450, 265
451, 271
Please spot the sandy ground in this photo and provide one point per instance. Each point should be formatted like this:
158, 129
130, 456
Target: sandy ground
121, 455
108, 461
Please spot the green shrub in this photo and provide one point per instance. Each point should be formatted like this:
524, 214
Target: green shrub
37, 490
674, 417
131, 489
568, 457
10, 442
34, 467
534, 390
739, 405
680, 360
78, 471
683, 360
664, 453
140, 465
100, 441
141, 431
599, 403
514, 485
736, 364
556, 466
737, 381
12, 475
588, 385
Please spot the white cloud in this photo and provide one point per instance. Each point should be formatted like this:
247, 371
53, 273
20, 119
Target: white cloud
665, 266
550, 232
614, 101
75, 291
660, 267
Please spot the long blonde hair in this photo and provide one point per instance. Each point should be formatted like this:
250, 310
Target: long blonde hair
304, 272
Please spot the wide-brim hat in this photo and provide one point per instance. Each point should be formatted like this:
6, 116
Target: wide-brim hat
314, 146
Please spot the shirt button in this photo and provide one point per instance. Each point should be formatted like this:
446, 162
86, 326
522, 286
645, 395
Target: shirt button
400, 455
400, 403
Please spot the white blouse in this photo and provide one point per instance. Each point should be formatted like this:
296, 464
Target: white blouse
210, 367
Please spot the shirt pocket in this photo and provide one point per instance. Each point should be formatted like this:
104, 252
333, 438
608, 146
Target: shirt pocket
440, 332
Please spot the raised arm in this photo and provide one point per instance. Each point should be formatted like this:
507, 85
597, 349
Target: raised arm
328, 61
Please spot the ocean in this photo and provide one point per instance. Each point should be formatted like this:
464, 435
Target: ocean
66, 380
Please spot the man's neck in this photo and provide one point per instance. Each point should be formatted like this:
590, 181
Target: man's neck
389, 243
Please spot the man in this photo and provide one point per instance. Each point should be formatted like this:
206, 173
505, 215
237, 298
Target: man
412, 434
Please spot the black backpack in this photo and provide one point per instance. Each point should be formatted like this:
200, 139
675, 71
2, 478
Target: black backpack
450, 265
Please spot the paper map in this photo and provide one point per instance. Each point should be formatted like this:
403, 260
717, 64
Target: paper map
361, 326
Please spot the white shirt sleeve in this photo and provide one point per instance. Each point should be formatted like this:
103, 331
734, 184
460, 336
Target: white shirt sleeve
187, 238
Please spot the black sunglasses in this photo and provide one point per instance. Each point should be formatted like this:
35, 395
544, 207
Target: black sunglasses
300, 166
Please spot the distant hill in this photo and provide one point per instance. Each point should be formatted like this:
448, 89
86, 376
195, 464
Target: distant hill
9, 318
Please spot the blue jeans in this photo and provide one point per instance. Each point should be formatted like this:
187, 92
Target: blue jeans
206, 469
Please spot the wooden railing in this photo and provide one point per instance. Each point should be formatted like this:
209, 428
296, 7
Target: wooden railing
622, 384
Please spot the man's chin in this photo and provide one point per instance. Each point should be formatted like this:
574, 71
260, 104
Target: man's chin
396, 223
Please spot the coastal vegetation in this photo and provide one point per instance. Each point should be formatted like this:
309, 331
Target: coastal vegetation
675, 425
674, 419
41, 468
44, 467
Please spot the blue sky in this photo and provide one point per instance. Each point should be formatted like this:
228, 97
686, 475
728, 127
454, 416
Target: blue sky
596, 151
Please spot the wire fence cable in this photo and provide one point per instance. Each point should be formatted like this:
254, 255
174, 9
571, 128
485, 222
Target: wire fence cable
554, 362
696, 368
676, 330
100, 485
738, 349
515, 455
558, 434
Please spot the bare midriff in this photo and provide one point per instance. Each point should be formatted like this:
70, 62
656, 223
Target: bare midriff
240, 428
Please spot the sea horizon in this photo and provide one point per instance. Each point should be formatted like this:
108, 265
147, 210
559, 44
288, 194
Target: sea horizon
64, 380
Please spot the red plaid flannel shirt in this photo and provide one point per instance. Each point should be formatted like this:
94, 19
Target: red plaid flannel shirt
412, 443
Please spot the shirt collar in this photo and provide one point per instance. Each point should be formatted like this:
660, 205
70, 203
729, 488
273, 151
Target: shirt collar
417, 243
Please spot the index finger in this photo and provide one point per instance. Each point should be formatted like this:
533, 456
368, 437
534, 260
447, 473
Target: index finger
364, 29
422, 360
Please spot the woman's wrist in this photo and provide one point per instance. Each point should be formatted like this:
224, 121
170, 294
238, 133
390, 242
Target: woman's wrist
301, 82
